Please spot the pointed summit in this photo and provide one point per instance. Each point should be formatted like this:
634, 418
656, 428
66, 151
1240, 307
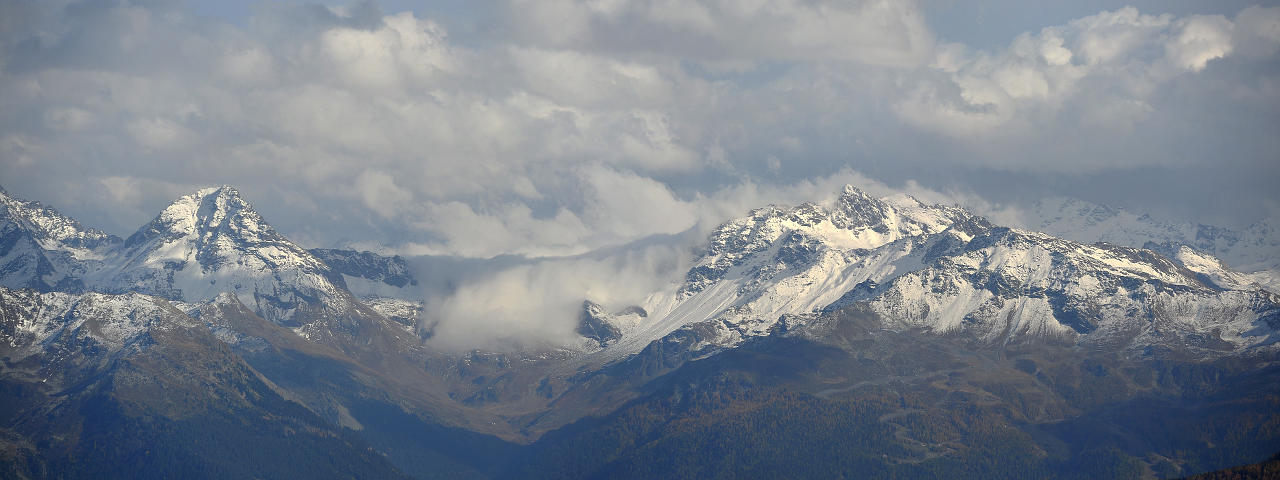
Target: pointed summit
855, 209
224, 198
212, 242
853, 198
850, 191
208, 216
205, 212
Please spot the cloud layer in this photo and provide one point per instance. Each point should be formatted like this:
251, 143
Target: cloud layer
578, 125
559, 128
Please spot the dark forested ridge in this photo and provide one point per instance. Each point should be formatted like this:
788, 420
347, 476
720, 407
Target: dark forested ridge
925, 408
1268, 469
852, 403
177, 403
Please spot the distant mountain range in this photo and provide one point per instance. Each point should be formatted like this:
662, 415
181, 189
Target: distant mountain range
1252, 250
928, 328
945, 271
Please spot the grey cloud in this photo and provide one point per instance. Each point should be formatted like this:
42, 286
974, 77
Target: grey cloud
535, 303
1099, 72
723, 33
364, 125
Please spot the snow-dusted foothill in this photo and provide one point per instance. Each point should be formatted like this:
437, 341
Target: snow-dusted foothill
55, 337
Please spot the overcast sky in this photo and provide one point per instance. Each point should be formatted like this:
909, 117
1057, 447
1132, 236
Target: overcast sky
555, 127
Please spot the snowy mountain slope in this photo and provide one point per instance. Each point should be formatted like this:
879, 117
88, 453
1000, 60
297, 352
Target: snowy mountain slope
780, 261
1213, 270
1216, 270
367, 274
1255, 249
407, 313
1008, 285
942, 270
45, 250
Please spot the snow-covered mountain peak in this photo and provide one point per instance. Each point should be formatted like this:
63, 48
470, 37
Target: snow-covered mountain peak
205, 214
856, 209
855, 221
222, 199
211, 242
210, 245
53, 230
781, 260
210, 221
851, 194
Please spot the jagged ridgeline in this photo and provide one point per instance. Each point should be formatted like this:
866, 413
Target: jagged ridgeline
861, 337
